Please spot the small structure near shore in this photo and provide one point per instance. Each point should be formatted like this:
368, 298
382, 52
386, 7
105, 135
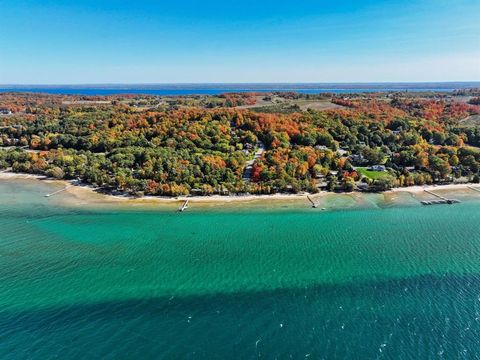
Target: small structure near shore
441, 200
184, 206
314, 204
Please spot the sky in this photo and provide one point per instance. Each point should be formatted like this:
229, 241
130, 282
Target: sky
188, 41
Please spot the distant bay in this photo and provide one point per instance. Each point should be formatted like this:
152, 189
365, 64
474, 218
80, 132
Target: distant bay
215, 89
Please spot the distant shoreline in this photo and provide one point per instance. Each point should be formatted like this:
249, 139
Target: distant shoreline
292, 85
193, 89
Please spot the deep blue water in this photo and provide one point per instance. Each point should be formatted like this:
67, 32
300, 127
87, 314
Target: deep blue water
213, 89
86, 91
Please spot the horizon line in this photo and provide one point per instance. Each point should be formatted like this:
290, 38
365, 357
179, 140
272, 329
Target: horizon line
241, 83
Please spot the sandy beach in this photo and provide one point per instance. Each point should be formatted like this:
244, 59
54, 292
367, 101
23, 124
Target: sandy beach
419, 189
90, 193
84, 193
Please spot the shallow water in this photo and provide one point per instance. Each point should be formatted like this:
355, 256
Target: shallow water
386, 278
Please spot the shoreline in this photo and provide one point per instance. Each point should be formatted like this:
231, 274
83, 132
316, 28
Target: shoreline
89, 193
421, 188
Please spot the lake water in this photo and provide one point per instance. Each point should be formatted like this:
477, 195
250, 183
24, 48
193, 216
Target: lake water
373, 282
215, 89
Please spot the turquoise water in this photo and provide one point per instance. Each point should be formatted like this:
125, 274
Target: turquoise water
380, 282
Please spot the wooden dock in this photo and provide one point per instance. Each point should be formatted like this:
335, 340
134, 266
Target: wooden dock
440, 202
473, 188
441, 199
314, 204
58, 191
184, 206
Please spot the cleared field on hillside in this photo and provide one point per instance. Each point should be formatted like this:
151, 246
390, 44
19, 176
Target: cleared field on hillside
473, 120
281, 103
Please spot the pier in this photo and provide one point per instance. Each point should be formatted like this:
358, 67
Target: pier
184, 206
314, 204
441, 199
58, 191
473, 188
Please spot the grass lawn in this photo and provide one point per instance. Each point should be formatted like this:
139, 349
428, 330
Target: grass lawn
374, 175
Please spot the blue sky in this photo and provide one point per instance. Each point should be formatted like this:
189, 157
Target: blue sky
62, 42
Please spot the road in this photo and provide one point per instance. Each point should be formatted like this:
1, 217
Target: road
247, 174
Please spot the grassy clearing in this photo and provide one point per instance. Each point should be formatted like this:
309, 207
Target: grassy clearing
374, 175
316, 104
471, 121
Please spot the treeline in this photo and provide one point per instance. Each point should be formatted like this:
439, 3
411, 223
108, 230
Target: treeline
205, 151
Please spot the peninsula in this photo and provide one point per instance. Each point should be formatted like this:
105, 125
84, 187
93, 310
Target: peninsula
244, 143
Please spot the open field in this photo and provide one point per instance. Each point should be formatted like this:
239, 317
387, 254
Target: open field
86, 102
277, 102
471, 121
374, 175
316, 104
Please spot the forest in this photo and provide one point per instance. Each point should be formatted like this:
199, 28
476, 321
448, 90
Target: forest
203, 145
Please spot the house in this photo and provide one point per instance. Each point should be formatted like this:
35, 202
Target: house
321, 147
5, 111
377, 168
362, 186
322, 185
356, 158
224, 191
